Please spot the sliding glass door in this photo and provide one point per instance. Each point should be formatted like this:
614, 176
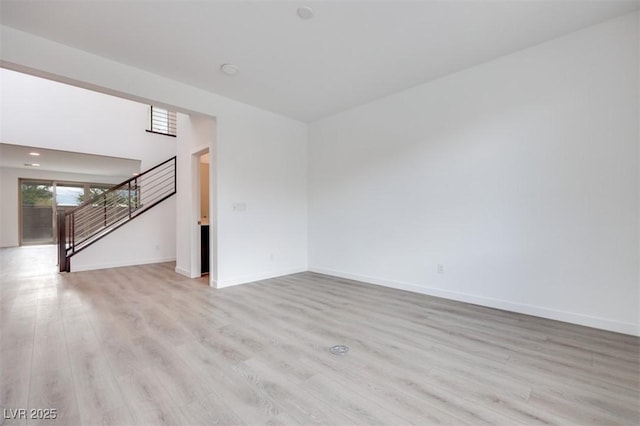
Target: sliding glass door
39, 202
36, 212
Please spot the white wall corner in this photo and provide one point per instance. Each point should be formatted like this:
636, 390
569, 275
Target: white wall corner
245, 279
186, 273
510, 173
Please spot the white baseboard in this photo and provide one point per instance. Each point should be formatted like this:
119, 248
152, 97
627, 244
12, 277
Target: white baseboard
93, 267
538, 311
255, 277
183, 272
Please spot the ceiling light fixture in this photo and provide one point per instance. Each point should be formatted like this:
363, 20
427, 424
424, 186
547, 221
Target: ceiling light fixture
35, 154
230, 69
32, 164
305, 12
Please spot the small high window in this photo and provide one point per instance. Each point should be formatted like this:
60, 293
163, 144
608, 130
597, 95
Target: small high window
162, 121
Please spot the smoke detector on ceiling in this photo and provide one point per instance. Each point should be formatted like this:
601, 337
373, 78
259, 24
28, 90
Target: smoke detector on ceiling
230, 69
305, 12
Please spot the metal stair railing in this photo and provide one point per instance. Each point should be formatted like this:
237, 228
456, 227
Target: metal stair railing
92, 220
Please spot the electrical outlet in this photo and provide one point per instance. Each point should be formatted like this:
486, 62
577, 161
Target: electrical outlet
440, 268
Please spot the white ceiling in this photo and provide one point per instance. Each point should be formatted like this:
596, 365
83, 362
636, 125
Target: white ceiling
16, 156
351, 52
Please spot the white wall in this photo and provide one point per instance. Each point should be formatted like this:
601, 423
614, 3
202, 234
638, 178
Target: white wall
520, 176
46, 114
638, 170
9, 193
150, 238
264, 168
261, 156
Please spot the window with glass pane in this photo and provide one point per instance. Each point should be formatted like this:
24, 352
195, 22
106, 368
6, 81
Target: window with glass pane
96, 191
162, 121
69, 195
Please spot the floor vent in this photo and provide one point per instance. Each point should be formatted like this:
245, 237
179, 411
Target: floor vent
339, 349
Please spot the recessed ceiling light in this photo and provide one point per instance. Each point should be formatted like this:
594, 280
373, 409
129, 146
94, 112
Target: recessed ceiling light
305, 12
35, 154
230, 69
32, 164
136, 174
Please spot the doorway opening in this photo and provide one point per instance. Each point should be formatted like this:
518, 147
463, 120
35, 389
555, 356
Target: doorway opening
203, 221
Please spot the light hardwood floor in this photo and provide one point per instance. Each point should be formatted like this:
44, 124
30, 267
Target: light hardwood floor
143, 345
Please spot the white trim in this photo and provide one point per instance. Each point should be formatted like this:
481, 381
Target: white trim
258, 277
118, 264
538, 311
186, 273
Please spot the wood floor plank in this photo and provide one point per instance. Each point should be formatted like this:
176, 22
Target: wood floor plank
54, 389
15, 365
352, 405
208, 411
143, 345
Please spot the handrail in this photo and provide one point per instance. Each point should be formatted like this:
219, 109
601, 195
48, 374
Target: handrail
95, 218
123, 183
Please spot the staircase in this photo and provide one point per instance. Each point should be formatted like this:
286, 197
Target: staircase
94, 219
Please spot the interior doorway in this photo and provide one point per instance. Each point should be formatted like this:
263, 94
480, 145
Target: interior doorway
203, 221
